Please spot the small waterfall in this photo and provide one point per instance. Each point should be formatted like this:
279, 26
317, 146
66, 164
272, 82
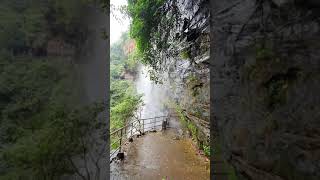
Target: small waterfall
154, 95
154, 100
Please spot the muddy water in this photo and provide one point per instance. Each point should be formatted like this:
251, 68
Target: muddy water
161, 155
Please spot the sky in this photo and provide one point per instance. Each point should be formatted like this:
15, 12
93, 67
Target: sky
117, 27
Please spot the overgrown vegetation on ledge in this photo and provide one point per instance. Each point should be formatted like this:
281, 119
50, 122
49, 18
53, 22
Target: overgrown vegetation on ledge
145, 17
124, 100
192, 129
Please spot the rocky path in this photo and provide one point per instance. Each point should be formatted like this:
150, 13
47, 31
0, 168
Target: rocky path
161, 155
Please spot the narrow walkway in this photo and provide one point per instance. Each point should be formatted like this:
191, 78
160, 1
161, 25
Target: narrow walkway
161, 155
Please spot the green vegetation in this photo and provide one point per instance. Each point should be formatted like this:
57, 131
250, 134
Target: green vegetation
124, 99
179, 111
194, 84
190, 127
26, 26
43, 125
193, 129
231, 173
206, 149
217, 149
145, 17
270, 72
277, 92
217, 152
185, 54
131, 64
264, 54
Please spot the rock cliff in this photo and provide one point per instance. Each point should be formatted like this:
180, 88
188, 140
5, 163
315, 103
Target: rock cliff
181, 43
265, 75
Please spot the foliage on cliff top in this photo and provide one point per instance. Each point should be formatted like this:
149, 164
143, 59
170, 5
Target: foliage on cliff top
124, 99
145, 16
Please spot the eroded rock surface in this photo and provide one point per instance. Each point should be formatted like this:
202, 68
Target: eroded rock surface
265, 72
181, 42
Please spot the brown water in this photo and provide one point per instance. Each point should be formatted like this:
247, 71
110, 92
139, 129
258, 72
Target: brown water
161, 155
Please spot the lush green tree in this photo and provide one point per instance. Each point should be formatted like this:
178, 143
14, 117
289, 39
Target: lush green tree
43, 125
145, 16
124, 99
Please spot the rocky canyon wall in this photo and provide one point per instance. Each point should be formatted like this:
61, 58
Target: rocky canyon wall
265, 77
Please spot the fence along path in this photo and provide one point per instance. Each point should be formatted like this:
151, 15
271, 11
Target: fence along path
136, 127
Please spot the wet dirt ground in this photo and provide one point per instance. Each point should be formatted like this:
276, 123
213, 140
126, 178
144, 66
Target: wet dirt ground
161, 155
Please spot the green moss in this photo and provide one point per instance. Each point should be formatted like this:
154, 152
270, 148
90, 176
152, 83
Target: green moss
198, 113
193, 129
217, 152
115, 144
194, 84
216, 148
185, 54
277, 92
206, 149
192, 79
267, 73
264, 54
265, 57
231, 173
179, 111
264, 50
186, 123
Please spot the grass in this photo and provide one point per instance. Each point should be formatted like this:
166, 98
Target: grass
191, 128
206, 150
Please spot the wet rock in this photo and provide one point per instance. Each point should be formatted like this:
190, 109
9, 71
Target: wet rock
184, 28
120, 155
265, 88
176, 138
282, 2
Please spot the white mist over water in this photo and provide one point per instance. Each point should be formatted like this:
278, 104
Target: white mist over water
154, 95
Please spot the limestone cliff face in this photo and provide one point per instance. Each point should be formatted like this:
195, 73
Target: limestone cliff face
265, 73
182, 42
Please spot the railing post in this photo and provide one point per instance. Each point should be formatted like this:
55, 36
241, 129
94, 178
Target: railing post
120, 140
139, 126
142, 126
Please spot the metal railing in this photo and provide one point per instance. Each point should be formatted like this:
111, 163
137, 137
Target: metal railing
139, 126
